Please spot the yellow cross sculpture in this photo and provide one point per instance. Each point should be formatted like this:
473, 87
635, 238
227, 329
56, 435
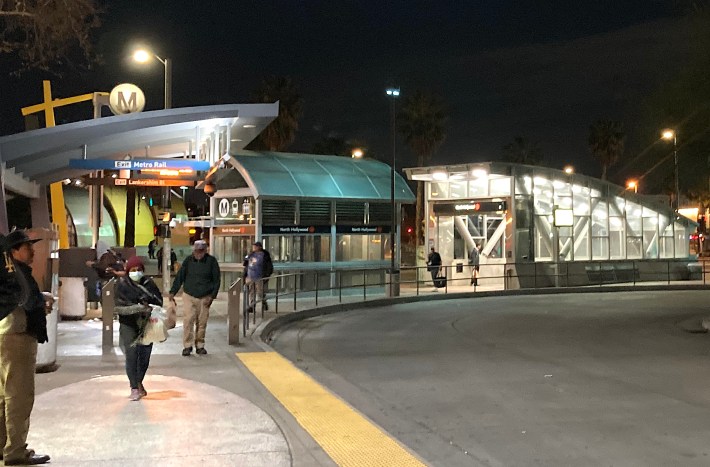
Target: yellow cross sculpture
59, 215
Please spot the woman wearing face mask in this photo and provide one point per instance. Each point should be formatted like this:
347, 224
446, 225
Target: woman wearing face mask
134, 293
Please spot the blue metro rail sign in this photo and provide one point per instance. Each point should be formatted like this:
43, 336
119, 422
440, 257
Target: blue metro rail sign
138, 164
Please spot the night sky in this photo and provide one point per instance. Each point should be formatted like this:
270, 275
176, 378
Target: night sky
542, 70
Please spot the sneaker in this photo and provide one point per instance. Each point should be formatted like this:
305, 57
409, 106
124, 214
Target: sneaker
32, 459
142, 390
201, 351
135, 394
186, 351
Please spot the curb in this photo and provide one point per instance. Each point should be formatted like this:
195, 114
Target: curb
265, 330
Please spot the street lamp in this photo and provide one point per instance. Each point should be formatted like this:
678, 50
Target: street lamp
669, 135
143, 55
357, 153
569, 169
632, 185
393, 94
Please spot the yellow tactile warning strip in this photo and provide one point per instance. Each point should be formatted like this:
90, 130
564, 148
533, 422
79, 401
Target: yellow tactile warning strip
348, 437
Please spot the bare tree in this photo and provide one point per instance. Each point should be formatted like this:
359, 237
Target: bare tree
44, 33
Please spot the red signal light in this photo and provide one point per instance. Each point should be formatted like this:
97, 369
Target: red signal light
409, 230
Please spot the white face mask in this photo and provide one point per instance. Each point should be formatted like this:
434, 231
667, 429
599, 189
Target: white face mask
135, 275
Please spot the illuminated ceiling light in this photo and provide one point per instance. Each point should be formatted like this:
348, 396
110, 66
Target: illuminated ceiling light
479, 172
143, 197
67, 181
77, 182
440, 175
540, 181
183, 187
394, 92
249, 126
456, 176
236, 140
114, 175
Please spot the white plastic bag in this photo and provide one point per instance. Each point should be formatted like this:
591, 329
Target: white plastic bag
156, 329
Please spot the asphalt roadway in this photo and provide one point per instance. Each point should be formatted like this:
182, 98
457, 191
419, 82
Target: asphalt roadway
598, 379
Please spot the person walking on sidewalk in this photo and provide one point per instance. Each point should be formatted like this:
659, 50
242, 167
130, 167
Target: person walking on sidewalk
254, 272
199, 277
134, 294
474, 262
434, 264
20, 331
268, 271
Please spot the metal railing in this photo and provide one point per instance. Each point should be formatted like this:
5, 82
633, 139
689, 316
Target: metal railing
312, 289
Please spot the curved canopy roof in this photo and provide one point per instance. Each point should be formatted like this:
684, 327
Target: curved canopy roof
284, 175
42, 156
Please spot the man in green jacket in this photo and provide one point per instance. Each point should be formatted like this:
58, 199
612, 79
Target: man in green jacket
199, 278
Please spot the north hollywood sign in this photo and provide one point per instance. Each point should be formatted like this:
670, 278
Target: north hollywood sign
295, 229
363, 229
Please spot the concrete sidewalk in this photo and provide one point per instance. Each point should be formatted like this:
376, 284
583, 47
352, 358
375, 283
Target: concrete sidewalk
200, 410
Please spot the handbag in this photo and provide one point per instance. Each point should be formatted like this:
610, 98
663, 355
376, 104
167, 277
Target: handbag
155, 328
171, 314
440, 282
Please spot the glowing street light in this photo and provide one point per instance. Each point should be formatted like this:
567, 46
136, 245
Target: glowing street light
632, 185
357, 153
671, 135
568, 169
143, 56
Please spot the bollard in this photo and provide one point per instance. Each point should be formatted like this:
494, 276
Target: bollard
108, 303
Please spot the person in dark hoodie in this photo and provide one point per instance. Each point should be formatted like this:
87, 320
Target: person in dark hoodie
21, 329
134, 295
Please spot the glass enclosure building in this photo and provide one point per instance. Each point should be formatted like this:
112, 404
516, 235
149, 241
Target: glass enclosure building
312, 213
524, 215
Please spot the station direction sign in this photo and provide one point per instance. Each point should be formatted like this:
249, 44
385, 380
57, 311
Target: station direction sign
138, 164
147, 182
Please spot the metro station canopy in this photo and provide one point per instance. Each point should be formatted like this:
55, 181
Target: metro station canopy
41, 157
284, 175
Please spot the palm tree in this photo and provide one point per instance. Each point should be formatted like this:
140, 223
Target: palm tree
606, 142
282, 131
522, 151
421, 122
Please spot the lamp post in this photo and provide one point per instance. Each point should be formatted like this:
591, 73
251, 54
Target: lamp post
393, 94
142, 56
669, 135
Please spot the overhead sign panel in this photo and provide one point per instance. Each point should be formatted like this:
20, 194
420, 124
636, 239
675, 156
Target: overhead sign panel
151, 182
465, 207
138, 164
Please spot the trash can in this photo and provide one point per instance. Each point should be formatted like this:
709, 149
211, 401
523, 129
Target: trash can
392, 283
47, 352
72, 297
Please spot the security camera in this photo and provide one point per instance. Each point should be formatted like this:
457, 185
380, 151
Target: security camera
210, 189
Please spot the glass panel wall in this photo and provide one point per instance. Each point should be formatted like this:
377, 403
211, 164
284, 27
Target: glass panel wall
298, 248
362, 247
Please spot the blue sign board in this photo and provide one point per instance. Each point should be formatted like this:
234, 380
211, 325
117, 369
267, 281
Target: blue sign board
138, 164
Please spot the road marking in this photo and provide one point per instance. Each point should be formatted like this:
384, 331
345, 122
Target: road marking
347, 436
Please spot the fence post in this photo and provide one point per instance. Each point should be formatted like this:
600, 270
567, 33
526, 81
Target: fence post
364, 285
295, 289
416, 277
668, 272
233, 313
446, 284
245, 309
633, 271
316, 276
340, 287
276, 298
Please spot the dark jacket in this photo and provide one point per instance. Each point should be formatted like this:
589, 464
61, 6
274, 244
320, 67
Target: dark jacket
132, 300
11, 290
198, 278
434, 261
34, 305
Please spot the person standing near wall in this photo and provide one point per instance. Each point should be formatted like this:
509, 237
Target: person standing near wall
254, 268
20, 332
200, 278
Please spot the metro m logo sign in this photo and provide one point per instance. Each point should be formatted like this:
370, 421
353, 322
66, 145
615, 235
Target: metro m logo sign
126, 98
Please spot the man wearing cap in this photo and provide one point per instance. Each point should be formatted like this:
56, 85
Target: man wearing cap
20, 331
199, 278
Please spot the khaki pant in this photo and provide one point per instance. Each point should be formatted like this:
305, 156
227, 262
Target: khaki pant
255, 292
196, 312
18, 355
